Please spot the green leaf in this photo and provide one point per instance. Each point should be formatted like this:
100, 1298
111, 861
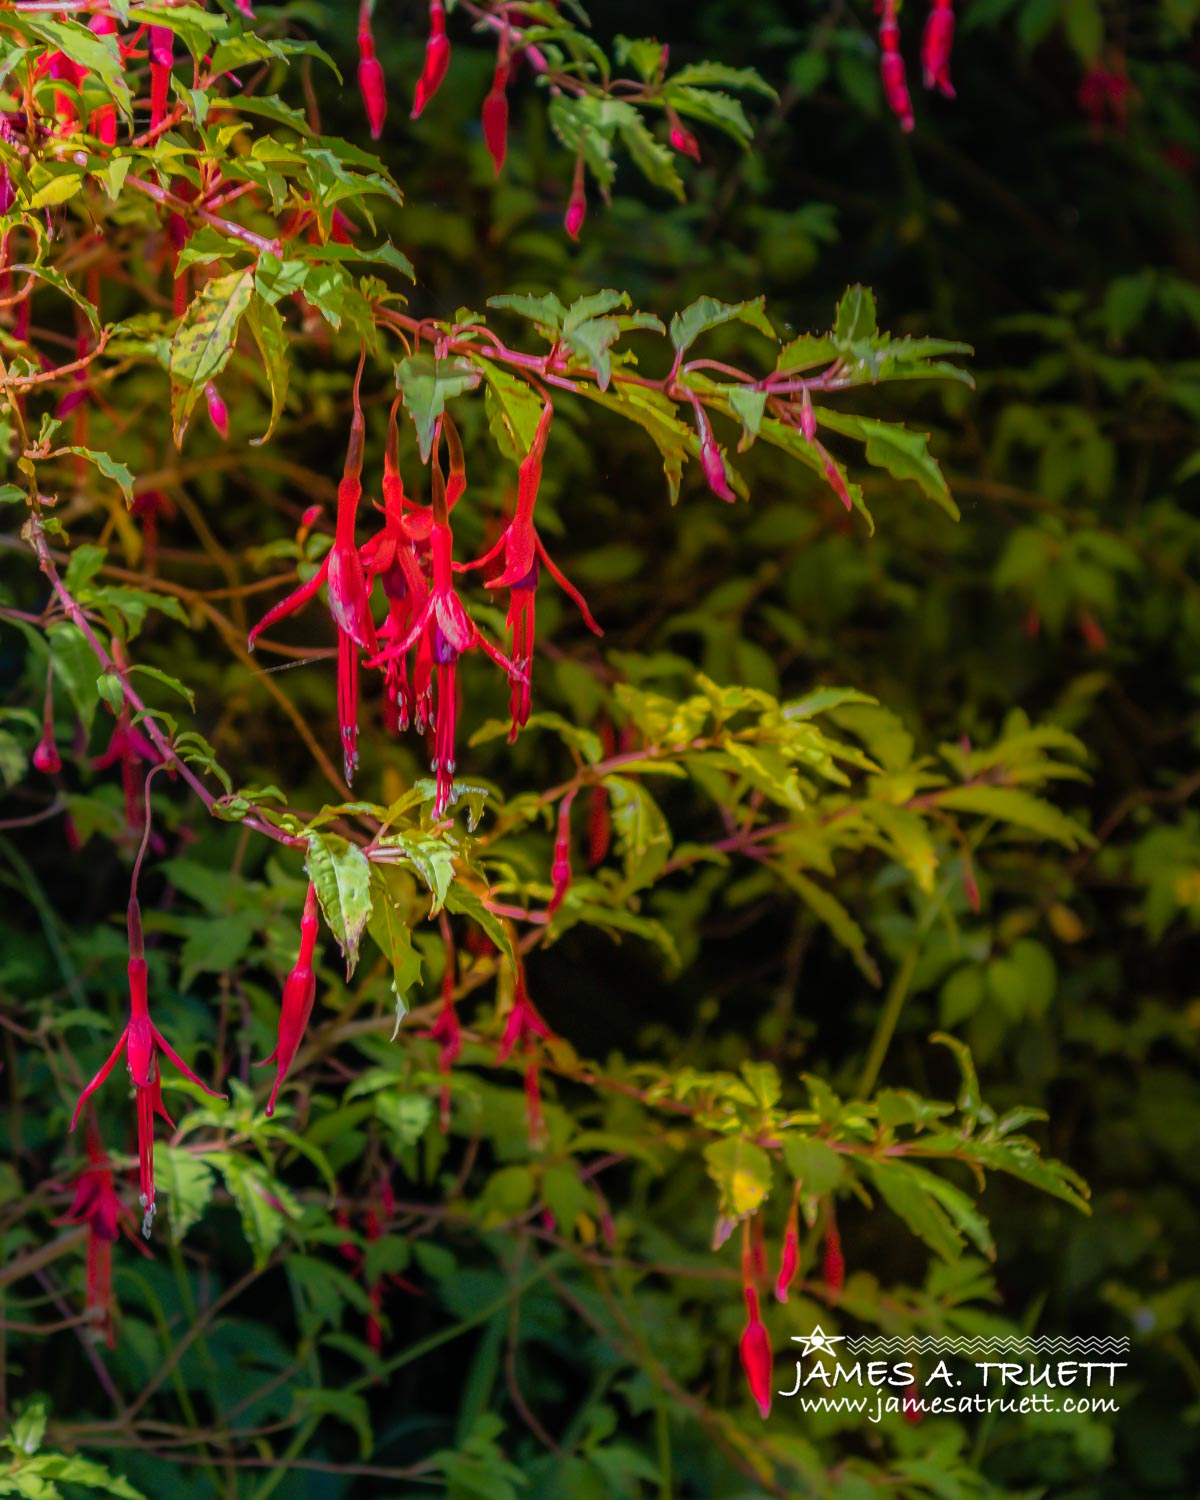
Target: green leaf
907, 1195
426, 385
389, 927
855, 317
642, 833
205, 340
264, 1204
742, 1173
463, 902
904, 454
187, 1179
707, 312
108, 466
433, 859
835, 916
266, 326
342, 876
815, 1165
1019, 809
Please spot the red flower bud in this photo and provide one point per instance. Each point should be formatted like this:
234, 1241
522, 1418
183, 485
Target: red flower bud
218, 412
789, 1259
935, 47
495, 116
577, 203
712, 460
755, 1352
682, 138
891, 68
46, 757
371, 82
437, 58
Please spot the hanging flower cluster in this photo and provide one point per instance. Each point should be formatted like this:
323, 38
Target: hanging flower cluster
427, 629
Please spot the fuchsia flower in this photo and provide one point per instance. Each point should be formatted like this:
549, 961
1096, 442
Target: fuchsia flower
442, 631
162, 58
349, 605
130, 749
437, 58
46, 758
141, 1042
833, 1267
935, 47
298, 995
755, 1353
891, 67
96, 1204
522, 1032
371, 82
524, 552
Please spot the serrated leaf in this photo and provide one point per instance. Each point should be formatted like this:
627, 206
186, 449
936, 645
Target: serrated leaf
707, 312
187, 1179
1018, 809
205, 340
426, 385
742, 1173
342, 876
642, 833
266, 325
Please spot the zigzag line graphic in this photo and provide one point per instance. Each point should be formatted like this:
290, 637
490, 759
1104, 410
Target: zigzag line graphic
1089, 1344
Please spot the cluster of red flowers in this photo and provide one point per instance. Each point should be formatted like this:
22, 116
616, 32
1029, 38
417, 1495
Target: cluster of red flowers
755, 1346
936, 43
427, 629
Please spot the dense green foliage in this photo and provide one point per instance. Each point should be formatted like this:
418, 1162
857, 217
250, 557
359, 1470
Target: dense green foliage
899, 816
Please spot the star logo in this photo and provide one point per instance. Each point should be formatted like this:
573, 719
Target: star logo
818, 1341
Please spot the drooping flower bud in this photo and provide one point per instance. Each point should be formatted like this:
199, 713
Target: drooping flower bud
891, 68
577, 203
495, 115
681, 137
218, 412
755, 1352
371, 82
789, 1259
935, 47
712, 460
298, 995
560, 872
437, 58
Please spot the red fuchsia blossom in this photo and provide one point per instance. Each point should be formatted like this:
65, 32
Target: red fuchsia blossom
371, 82
437, 58
1104, 94
162, 58
141, 1042
349, 604
524, 553
755, 1352
299, 992
522, 1032
891, 67
577, 202
833, 1267
130, 749
494, 116
1092, 632
789, 1258
442, 632
96, 1204
935, 47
